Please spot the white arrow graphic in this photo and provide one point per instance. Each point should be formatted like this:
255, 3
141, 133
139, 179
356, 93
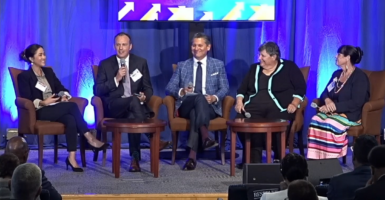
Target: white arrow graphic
126, 9
152, 14
235, 13
208, 16
181, 13
263, 12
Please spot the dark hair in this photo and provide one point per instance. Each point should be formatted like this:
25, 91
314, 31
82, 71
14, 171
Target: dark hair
8, 163
202, 35
355, 53
122, 34
362, 146
301, 190
294, 167
271, 48
30, 51
377, 157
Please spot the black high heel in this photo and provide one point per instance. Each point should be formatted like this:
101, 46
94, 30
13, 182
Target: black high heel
97, 149
75, 169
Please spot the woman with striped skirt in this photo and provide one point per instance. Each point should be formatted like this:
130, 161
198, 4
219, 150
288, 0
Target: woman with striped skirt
345, 95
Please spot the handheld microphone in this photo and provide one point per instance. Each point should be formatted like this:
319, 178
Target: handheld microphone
122, 64
247, 114
314, 105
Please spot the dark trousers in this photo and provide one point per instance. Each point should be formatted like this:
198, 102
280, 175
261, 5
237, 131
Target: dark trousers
258, 141
199, 112
128, 108
69, 114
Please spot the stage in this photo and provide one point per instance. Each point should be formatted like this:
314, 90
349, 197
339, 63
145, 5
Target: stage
209, 181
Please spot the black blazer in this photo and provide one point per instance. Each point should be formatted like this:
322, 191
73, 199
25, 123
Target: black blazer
286, 81
372, 192
27, 81
343, 186
105, 86
353, 95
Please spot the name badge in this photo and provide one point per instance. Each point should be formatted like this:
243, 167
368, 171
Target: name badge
136, 75
40, 86
332, 85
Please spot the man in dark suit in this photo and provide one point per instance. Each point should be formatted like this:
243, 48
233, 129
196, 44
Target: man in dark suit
374, 189
343, 186
199, 85
124, 85
19, 147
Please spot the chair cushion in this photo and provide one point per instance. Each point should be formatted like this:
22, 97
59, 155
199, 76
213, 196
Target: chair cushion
48, 128
181, 124
355, 130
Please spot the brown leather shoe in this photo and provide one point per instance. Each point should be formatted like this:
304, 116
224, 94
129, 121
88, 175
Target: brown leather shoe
163, 144
209, 143
134, 167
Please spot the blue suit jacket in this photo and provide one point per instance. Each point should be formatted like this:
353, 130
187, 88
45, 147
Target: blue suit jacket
216, 81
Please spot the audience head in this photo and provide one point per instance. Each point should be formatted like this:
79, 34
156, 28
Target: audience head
26, 182
19, 147
294, 167
8, 163
34, 55
377, 161
348, 55
200, 45
301, 190
122, 44
269, 54
361, 148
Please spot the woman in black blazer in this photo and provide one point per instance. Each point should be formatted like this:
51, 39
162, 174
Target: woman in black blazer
272, 89
344, 96
50, 98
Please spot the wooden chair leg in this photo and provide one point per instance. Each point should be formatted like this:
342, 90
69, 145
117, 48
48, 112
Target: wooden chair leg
40, 150
300, 143
104, 139
98, 136
291, 141
175, 135
55, 148
223, 145
217, 148
83, 150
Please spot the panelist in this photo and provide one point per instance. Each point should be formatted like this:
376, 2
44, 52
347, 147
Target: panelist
199, 85
272, 89
50, 98
342, 100
124, 84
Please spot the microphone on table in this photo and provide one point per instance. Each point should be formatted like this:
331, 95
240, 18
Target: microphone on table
123, 64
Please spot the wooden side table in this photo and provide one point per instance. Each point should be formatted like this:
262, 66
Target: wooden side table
133, 126
256, 126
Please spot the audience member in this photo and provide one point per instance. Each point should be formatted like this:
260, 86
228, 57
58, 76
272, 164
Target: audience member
8, 163
26, 182
301, 190
19, 147
342, 186
374, 189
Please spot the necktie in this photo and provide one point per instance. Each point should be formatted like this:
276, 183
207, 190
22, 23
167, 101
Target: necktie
198, 79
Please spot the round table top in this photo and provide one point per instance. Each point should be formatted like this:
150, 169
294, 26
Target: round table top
134, 123
257, 123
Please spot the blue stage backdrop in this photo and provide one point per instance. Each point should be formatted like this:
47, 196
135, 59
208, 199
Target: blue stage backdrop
78, 34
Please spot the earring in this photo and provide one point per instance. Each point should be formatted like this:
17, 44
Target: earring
31, 63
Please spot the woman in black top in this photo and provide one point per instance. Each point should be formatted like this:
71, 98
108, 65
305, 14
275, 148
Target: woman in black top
40, 84
343, 98
272, 89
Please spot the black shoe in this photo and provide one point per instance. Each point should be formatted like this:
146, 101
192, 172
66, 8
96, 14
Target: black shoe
209, 143
97, 149
75, 169
190, 164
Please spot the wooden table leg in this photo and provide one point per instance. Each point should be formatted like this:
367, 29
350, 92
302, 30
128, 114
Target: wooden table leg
268, 147
247, 147
117, 152
232, 152
283, 144
156, 153
113, 151
152, 146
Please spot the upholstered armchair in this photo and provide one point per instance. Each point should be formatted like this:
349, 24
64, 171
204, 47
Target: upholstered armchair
217, 125
28, 124
154, 103
372, 110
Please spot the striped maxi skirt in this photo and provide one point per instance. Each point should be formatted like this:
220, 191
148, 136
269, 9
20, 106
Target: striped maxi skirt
327, 137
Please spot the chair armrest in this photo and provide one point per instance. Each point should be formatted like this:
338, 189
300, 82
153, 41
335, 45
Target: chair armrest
81, 102
26, 114
318, 101
371, 116
227, 104
97, 103
155, 103
373, 105
169, 101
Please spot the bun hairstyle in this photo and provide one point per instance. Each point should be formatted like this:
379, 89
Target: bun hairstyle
294, 167
30, 51
355, 53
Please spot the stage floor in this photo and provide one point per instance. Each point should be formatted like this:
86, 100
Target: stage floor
210, 176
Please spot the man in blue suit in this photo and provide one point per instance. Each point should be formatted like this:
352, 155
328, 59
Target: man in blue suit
199, 84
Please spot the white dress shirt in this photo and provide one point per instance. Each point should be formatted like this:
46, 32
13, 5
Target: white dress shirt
127, 65
281, 195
